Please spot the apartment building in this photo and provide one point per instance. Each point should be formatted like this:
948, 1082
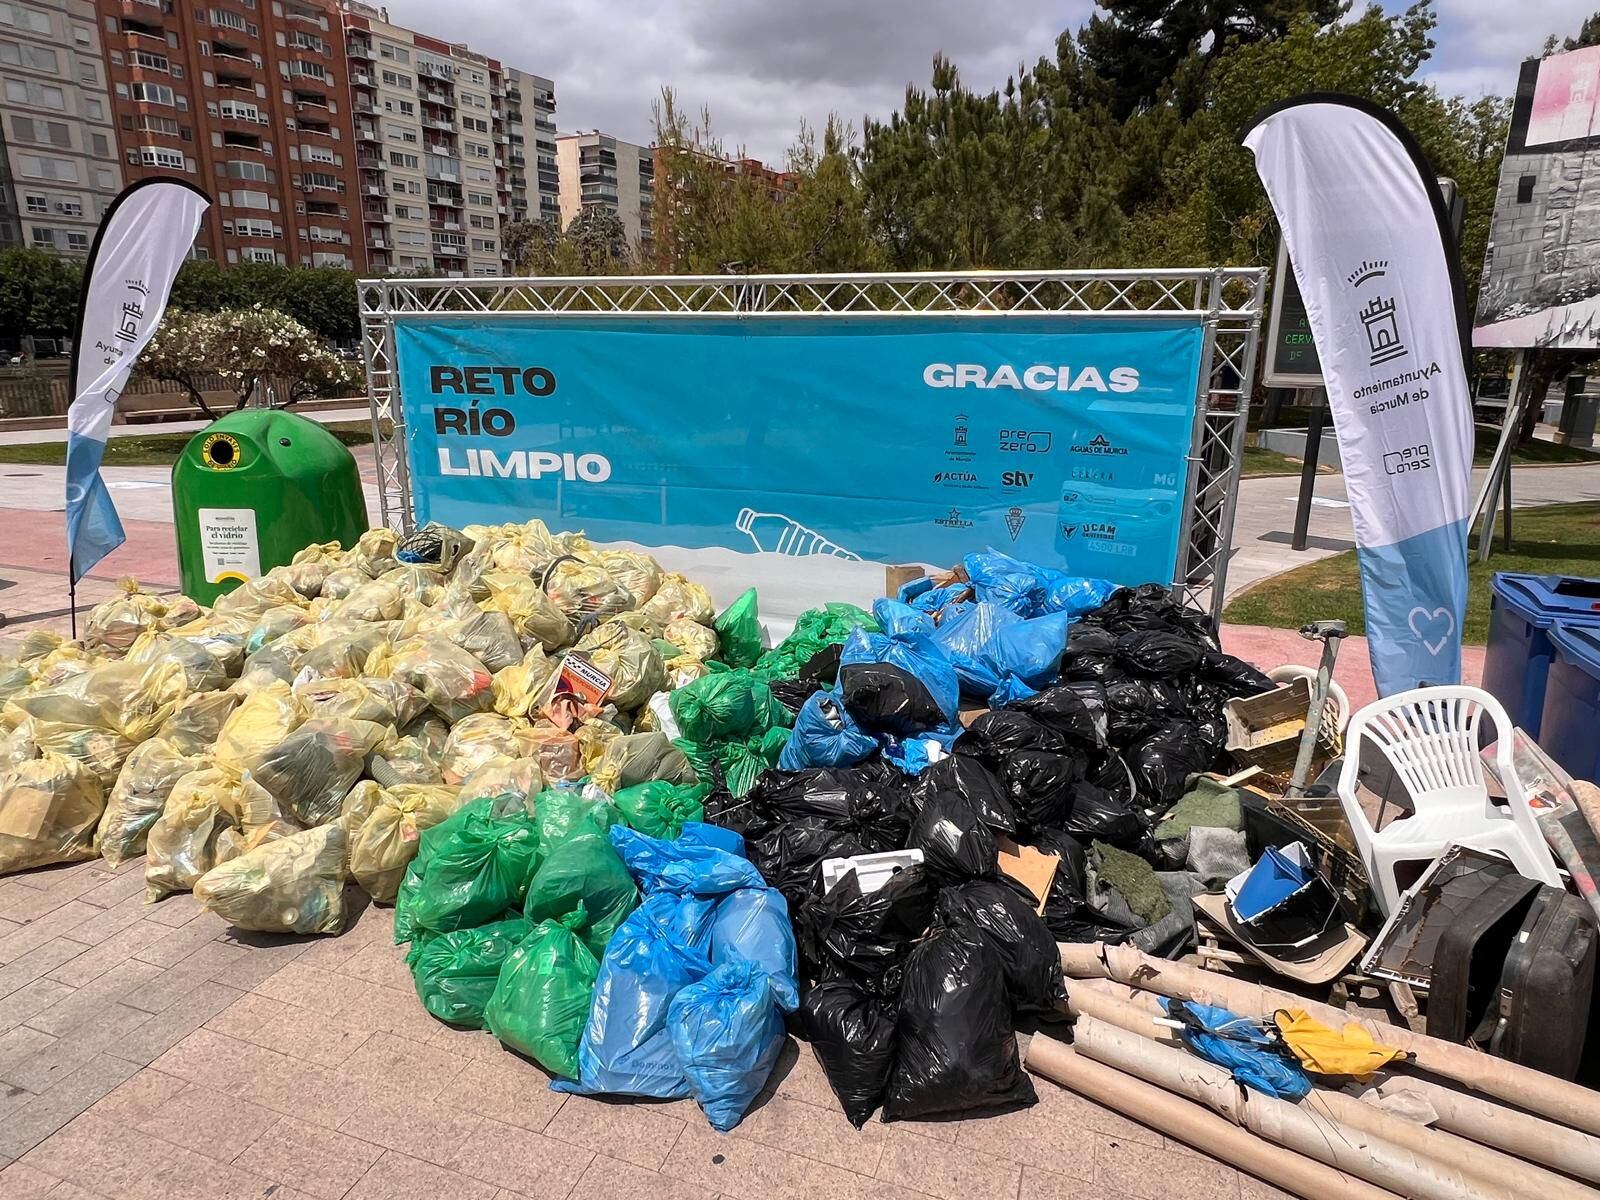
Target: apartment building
599, 171
248, 99
445, 160
59, 167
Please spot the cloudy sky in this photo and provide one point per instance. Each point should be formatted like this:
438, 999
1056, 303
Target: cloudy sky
763, 65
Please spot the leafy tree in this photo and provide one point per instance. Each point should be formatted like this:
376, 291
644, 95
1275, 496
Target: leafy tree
1138, 46
248, 348
39, 292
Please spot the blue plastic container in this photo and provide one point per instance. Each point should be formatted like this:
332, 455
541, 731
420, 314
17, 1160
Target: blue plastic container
1570, 730
1522, 610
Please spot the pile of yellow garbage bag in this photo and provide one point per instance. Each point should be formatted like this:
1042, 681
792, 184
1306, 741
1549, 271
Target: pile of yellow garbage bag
308, 728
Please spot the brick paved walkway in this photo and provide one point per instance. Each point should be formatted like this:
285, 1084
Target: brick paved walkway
151, 1052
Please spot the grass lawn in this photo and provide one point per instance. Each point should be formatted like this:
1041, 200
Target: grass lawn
1561, 539
154, 449
1533, 452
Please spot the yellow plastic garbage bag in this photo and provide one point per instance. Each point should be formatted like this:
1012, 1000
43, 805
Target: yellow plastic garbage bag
558, 752
15, 677
102, 751
341, 581
345, 655
274, 624
141, 792
416, 581
195, 724
685, 670
375, 600
293, 884
533, 613
504, 778
267, 716
694, 639
312, 768
629, 658
18, 746
594, 735
521, 689
1325, 1051
476, 739
489, 637
585, 590
363, 698
677, 597
373, 553
639, 573
386, 841
221, 635
115, 624
30, 646
256, 596
359, 803
182, 844
201, 671
414, 753
639, 758
49, 809
456, 684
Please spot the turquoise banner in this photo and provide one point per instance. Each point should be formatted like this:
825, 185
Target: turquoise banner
886, 439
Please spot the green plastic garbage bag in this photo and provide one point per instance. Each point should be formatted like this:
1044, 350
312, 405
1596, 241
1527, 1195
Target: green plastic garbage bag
728, 704
816, 628
477, 873
659, 808
540, 1005
563, 813
739, 631
456, 972
583, 873
743, 761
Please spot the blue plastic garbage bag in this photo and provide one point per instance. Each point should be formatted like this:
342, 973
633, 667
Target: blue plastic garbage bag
1247, 1048
915, 755
1011, 690
898, 685
900, 620
627, 1048
1076, 594
921, 595
825, 735
703, 833
728, 1034
752, 924
685, 867
987, 643
1029, 589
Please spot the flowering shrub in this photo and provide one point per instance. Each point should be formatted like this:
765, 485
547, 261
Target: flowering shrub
247, 347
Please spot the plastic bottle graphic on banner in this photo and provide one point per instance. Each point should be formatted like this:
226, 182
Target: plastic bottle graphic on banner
1366, 229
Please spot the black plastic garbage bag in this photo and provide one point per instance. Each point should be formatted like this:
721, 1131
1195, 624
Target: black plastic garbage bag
790, 855
1165, 760
822, 668
1067, 910
1159, 653
1039, 784
1090, 640
1110, 771
884, 698
863, 797
1002, 911
954, 841
969, 778
956, 1047
793, 693
1095, 815
1092, 668
853, 1035
1237, 677
993, 735
865, 936
1078, 716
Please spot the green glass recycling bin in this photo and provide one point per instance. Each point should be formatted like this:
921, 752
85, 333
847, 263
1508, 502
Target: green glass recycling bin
252, 490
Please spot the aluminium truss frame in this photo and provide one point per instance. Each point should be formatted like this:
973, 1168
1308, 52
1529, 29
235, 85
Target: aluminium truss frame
1228, 302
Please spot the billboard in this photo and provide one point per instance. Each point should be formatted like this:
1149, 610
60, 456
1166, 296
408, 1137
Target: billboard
1541, 277
813, 441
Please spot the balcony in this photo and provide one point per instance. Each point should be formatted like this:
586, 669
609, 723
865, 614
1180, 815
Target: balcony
378, 243
435, 96
439, 123
368, 133
444, 200
362, 79
446, 226
370, 162
373, 189
361, 49
362, 105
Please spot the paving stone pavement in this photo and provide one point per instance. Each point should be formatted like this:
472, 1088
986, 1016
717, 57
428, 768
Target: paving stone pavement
152, 1052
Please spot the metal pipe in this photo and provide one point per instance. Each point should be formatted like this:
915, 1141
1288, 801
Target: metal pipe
1528, 1089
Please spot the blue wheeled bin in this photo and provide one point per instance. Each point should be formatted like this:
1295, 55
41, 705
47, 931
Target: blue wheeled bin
1522, 608
1571, 720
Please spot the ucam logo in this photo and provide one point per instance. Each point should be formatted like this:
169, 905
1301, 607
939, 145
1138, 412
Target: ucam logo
525, 464
1041, 377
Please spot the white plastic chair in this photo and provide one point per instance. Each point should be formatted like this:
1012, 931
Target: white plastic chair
1430, 737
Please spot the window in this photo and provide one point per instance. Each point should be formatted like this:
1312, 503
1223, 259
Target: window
152, 62
40, 58
260, 254
318, 154
238, 169
153, 124
36, 166
77, 241
24, 18
320, 179
475, 150
228, 20
153, 93
245, 227
480, 199
308, 70
485, 270
40, 95
396, 159
160, 156
70, 208
410, 237
407, 212
247, 199
393, 53
54, 133
37, 204
308, 41
238, 110
100, 145
396, 132
480, 221
88, 73
483, 245
1525, 189
44, 237
105, 179
93, 109
396, 79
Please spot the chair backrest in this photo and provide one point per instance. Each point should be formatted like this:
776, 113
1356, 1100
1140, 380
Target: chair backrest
1431, 737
